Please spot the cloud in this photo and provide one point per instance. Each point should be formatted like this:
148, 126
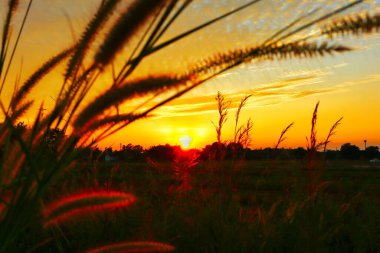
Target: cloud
266, 95
292, 85
307, 93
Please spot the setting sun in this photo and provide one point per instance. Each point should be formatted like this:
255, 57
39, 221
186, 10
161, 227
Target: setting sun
185, 141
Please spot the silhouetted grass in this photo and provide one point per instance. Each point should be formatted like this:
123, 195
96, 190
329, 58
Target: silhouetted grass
36, 163
269, 209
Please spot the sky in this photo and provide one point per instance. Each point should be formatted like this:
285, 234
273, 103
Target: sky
283, 91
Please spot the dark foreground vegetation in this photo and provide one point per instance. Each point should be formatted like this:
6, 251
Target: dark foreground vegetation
232, 151
55, 198
231, 206
223, 198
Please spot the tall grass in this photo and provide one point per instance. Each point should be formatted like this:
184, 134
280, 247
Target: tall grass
34, 160
314, 170
282, 137
223, 112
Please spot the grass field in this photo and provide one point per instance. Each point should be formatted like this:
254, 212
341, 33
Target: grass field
234, 207
52, 202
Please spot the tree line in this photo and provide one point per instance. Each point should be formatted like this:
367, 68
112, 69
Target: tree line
215, 151
220, 151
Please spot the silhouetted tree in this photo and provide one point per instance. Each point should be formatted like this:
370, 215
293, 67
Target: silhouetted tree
215, 151
130, 153
235, 151
331, 155
371, 152
299, 153
162, 152
349, 151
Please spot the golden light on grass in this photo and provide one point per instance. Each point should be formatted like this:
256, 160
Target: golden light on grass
134, 247
85, 203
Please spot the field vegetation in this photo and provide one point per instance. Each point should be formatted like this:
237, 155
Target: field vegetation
54, 198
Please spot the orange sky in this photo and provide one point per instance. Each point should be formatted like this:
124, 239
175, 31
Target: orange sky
282, 91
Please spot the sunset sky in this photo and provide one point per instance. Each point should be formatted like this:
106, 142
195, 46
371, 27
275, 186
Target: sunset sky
347, 85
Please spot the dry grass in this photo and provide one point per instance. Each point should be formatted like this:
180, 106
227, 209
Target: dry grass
34, 160
282, 137
223, 112
331, 133
237, 116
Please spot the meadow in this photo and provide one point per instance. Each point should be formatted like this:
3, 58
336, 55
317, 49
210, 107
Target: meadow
52, 201
233, 206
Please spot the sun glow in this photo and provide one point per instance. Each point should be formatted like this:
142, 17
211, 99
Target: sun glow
185, 141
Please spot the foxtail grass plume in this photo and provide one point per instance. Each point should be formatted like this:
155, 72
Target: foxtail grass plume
13, 4
356, 25
108, 120
135, 16
88, 202
268, 52
126, 247
6, 31
25, 152
129, 90
39, 74
22, 109
90, 34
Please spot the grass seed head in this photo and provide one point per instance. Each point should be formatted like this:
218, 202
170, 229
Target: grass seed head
88, 202
142, 246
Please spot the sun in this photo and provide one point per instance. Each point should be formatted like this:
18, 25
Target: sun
185, 141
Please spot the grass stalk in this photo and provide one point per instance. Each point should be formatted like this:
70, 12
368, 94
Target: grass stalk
282, 137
